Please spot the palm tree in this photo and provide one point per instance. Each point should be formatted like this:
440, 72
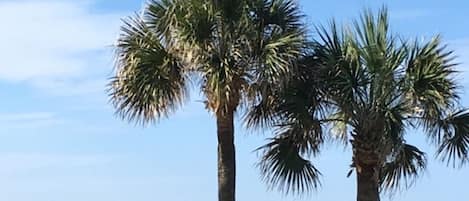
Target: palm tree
233, 50
364, 86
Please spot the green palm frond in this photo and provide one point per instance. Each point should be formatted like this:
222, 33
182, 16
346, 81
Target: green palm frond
453, 138
404, 165
186, 27
396, 122
150, 82
347, 80
279, 45
230, 10
429, 80
199, 25
283, 164
294, 103
297, 110
379, 54
284, 167
278, 53
283, 13
262, 114
162, 16
223, 82
372, 37
280, 38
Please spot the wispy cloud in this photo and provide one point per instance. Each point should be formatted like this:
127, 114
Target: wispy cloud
26, 116
28, 120
26, 162
47, 43
71, 87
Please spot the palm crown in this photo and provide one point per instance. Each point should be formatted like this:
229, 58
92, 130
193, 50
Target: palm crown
364, 85
234, 50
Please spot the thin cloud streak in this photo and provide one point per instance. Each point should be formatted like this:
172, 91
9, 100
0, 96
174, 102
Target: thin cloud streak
33, 120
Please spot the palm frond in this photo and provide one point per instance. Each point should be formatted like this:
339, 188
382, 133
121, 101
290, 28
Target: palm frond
198, 25
346, 80
161, 16
298, 102
373, 39
278, 54
453, 138
263, 113
380, 54
224, 76
150, 82
283, 13
404, 165
278, 42
300, 134
279, 38
278, 46
230, 10
284, 167
395, 122
429, 83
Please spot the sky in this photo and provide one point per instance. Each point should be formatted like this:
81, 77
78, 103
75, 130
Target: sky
60, 139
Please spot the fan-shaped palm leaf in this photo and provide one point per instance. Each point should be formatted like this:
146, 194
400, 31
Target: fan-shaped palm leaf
404, 165
284, 166
454, 137
150, 82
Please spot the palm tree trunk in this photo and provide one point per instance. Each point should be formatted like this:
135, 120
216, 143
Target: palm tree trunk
366, 161
367, 184
226, 157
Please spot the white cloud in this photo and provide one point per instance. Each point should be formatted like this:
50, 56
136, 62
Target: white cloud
47, 43
26, 116
71, 87
32, 120
26, 162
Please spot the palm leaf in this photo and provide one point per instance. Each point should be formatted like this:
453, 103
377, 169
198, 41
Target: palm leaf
150, 82
453, 138
279, 47
404, 165
429, 83
279, 39
284, 167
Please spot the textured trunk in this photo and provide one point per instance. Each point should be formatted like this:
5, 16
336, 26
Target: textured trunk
226, 157
367, 184
368, 147
366, 159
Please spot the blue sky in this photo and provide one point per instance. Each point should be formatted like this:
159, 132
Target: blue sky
59, 138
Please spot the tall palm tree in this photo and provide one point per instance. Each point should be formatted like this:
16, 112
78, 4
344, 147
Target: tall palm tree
364, 86
233, 50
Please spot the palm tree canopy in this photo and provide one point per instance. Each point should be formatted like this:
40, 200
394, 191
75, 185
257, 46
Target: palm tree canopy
364, 83
234, 50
